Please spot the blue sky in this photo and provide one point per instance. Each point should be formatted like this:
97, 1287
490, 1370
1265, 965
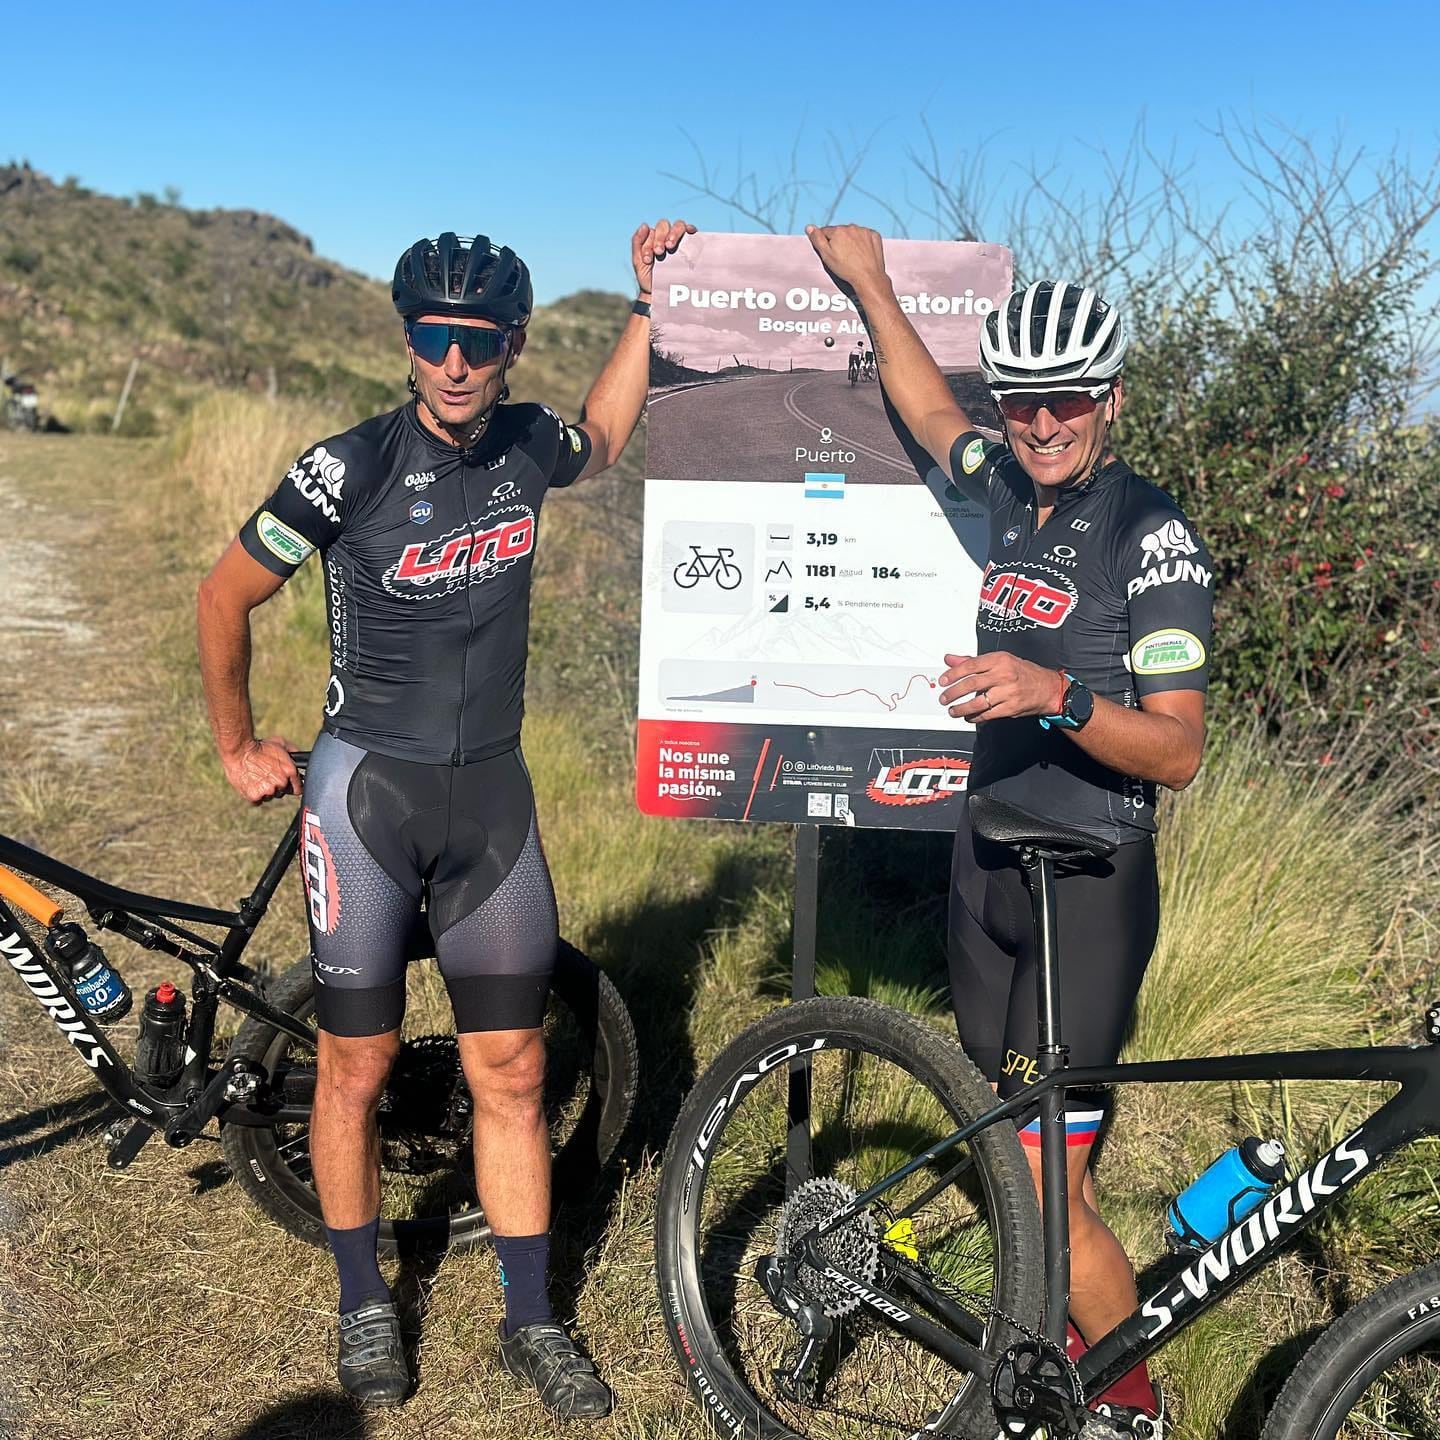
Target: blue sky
552, 126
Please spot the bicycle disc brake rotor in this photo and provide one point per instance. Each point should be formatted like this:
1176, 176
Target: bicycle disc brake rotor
425, 1102
854, 1247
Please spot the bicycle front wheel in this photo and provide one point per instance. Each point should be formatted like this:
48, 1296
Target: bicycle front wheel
880, 1087
1374, 1374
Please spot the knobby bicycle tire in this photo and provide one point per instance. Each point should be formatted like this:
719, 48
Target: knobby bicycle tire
712, 1334
594, 1083
1375, 1372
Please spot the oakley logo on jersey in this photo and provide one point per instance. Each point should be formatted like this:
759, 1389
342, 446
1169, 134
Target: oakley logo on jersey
322, 893
480, 552
1172, 539
1014, 600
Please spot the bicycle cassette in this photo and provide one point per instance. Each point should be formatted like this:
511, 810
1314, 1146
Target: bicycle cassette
854, 1247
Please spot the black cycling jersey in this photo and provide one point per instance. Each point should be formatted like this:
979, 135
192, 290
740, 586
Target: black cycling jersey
1114, 588
427, 552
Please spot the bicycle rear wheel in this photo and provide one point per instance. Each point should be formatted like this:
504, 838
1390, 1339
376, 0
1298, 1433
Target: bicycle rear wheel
1374, 1374
428, 1199
882, 1088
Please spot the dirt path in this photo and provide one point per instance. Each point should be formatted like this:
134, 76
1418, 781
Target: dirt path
156, 1304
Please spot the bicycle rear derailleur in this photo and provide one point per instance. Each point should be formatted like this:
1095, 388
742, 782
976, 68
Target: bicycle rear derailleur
1036, 1392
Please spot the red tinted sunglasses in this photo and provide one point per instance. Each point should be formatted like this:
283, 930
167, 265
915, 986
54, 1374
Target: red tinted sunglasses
1023, 406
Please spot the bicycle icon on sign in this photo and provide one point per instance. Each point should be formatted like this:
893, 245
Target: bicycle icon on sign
709, 565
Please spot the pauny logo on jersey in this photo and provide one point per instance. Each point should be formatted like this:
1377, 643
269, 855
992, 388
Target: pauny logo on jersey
475, 552
1016, 597
320, 478
1163, 562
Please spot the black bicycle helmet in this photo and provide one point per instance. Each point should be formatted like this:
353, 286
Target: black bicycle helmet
461, 275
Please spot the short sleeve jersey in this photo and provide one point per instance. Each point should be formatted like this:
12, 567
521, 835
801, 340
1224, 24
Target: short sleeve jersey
427, 553
1115, 588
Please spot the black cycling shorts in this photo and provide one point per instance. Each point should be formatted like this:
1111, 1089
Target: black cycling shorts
1107, 915
381, 835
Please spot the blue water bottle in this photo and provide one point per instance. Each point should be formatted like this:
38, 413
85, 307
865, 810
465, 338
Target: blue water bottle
98, 985
1226, 1192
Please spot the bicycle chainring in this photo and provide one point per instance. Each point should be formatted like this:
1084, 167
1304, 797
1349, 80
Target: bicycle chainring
854, 1247
1036, 1392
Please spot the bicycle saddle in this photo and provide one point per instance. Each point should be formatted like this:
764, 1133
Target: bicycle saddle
1006, 824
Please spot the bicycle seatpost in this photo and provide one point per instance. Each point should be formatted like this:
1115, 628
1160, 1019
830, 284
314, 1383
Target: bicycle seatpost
1051, 1055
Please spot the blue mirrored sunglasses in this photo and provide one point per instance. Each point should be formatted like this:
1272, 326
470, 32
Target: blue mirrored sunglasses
431, 341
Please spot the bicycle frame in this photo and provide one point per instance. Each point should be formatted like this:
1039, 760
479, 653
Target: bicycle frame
1210, 1274
181, 1109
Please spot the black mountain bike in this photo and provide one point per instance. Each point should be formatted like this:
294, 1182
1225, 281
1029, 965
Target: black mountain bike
850, 1245
261, 1092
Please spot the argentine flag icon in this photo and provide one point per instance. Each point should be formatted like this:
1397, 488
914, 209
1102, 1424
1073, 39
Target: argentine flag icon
820, 485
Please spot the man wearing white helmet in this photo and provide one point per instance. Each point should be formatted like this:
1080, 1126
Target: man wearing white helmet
1087, 691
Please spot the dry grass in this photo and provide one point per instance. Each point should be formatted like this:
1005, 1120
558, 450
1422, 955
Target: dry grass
174, 1311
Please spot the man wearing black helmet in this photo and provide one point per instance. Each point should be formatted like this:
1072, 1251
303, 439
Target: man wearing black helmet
425, 519
1088, 691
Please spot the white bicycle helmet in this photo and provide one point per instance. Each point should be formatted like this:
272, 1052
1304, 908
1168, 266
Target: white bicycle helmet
1052, 336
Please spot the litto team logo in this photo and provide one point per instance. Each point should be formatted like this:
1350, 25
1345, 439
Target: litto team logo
1012, 598
477, 551
322, 891
896, 779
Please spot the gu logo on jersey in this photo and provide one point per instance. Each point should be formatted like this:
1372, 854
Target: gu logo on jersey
1011, 535
916, 782
420, 512
322, 893
1013, 599
477, 552
319, 477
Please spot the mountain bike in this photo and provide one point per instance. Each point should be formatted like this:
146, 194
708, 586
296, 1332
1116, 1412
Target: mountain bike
709, 565
849, 1242
261, 1092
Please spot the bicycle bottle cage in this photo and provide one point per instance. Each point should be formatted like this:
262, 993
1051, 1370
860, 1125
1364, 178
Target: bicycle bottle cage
1004, 824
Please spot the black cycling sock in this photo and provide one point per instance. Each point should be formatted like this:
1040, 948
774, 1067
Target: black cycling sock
524, 1263
356, 1260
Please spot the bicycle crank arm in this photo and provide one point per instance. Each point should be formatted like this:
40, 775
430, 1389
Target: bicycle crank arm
236, 1079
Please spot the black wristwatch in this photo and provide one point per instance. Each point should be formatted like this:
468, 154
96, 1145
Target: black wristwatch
1076, 706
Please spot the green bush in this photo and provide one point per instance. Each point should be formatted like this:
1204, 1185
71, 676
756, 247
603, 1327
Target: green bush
1281, 428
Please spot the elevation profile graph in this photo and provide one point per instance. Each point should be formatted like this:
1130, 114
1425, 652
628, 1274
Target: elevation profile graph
871, 692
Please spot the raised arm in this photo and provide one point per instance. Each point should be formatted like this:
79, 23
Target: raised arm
612, 407
855, 257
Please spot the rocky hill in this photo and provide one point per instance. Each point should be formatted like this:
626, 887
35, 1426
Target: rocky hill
207, 299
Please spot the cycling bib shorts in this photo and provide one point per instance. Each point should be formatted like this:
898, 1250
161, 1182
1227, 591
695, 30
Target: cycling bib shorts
1107, 917
380, 837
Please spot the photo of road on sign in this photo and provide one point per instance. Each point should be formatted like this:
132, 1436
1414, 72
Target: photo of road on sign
761, 369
